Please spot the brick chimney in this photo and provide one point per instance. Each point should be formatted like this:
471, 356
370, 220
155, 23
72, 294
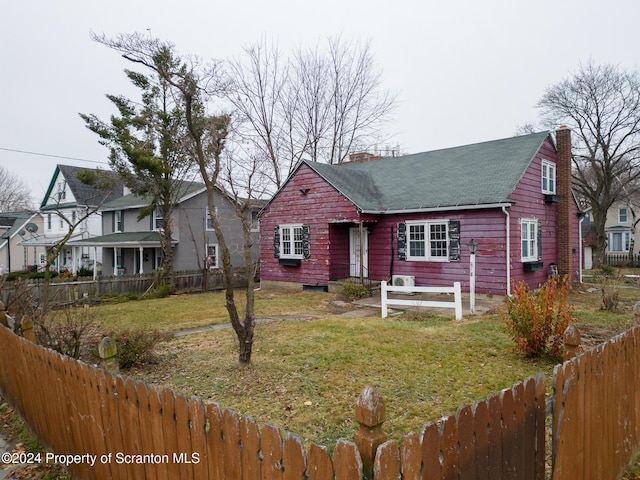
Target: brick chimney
361, 157
565, 218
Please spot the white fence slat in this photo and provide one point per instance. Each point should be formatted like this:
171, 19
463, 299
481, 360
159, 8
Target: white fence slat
385, 301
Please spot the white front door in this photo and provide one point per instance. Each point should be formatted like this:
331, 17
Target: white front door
354, 252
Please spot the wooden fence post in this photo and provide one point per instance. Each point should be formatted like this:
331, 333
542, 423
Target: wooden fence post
370, 414
27, 329
636, 313
108, 353
3, 316
571, 341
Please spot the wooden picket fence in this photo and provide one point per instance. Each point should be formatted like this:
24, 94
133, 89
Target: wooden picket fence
596, 426
140, 431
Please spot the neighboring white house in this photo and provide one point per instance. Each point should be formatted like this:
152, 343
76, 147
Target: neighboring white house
15, 227
69, 200
620, 229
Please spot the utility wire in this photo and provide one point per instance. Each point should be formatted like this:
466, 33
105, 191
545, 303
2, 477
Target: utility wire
52, 156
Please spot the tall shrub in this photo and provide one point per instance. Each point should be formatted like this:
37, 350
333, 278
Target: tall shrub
537, 319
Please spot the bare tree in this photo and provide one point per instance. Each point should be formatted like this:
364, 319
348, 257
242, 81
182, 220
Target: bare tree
193, 86
14, 193
317, 104
601, 104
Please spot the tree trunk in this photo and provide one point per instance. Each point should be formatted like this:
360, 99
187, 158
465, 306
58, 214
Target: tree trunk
599, 244
245, 344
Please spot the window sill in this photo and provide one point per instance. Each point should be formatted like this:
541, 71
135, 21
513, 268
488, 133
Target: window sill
532, 266
430, 260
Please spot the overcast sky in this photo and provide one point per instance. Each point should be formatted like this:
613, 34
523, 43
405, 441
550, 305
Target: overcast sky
464, 71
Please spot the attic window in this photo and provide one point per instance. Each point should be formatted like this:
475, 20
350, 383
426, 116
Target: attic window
62, 190
548, 177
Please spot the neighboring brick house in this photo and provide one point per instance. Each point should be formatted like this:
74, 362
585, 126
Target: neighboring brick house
132, 245
411, 217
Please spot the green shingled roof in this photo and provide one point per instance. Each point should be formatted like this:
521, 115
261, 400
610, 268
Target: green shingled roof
471, 175
129, 201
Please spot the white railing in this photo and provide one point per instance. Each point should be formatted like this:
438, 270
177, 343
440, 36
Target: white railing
456, 304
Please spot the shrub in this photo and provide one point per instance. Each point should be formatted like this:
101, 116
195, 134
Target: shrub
135, 346
67, 331
352, 291
610, 281
161, 291
536, 320
85, 272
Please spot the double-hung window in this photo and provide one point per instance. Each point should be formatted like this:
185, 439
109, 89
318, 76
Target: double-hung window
209, 223
291, 241
618, 242
623, 215
212, 256
157, 220
118, 221
529, 235
548, 177
428, 241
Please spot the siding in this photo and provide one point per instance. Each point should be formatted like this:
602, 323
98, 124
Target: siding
487, 227
529, 203
329, 215
319, 208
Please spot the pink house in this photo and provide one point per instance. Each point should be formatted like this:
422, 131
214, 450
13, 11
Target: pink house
410, 219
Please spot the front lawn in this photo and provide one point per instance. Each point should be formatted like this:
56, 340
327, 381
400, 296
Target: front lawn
179, 312
307, 373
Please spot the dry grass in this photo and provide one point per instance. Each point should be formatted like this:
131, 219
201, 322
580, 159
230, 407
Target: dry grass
179, 312
307, 373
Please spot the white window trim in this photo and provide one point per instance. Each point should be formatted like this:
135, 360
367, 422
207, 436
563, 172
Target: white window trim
551, 167
625, 239
290, 227
157, 216
217, 256
118, 221
255, 221
208, 225
427, 256
620, 209
533, 243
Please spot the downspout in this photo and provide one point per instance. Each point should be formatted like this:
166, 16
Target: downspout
580, 248
508, 249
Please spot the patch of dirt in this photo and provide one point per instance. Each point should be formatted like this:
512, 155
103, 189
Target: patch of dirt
593, 335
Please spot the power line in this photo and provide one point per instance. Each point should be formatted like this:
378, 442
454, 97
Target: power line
52, 156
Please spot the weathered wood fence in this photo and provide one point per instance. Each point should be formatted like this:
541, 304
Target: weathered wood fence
596, 423
121, 428
66, 292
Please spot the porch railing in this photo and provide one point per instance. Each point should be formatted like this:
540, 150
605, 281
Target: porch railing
344, 272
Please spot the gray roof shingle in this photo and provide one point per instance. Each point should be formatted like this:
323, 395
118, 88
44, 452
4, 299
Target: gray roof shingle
471, 175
